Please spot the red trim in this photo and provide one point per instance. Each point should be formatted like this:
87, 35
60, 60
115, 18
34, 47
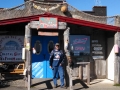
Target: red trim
60, 18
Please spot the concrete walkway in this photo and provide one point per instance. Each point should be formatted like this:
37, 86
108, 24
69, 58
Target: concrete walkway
98, 84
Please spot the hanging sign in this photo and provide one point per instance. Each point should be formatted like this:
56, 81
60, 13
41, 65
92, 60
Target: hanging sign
48, 23
11, 48
48, 33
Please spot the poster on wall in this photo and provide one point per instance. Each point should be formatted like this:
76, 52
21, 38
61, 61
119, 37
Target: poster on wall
11, 48
80, 44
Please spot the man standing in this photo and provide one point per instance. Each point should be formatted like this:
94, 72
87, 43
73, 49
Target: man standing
56, 64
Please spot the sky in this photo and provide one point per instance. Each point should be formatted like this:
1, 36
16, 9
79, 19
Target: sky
113, 6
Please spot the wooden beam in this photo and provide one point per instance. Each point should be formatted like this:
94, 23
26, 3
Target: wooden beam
28, 55
88, 73
67, 52
117, 60
48, 33
80, 72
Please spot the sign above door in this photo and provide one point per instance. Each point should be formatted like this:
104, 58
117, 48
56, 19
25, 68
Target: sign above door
48, 23
47, 33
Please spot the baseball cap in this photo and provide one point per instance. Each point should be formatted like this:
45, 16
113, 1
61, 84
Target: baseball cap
57, 44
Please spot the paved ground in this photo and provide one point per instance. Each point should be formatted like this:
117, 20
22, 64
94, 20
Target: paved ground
102, 84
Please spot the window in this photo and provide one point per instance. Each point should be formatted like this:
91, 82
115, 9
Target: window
50, 46
38, 47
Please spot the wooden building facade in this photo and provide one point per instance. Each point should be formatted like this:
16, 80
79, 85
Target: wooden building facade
92, 37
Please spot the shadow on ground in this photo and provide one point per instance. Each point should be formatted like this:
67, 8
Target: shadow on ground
4, 84
98, 81
47, 82
48, 85
80, 84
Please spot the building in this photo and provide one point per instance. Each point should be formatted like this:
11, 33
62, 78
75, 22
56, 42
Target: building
92, 37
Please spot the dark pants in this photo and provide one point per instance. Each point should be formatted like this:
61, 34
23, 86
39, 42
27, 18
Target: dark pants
59, 70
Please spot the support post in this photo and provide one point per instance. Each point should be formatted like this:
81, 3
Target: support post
67, 51
28, 55
71, 81
117, 60
25, 76
88, 73
80, 72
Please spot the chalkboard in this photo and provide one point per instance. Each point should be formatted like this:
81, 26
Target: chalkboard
79, 45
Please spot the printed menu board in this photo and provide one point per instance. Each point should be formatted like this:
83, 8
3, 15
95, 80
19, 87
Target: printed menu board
97, 50
80, 45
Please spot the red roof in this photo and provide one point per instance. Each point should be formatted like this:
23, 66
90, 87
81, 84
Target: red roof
60, 18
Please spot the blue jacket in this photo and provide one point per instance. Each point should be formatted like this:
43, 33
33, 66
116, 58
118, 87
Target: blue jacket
56, 58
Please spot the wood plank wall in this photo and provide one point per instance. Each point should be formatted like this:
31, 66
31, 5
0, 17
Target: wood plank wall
98, 68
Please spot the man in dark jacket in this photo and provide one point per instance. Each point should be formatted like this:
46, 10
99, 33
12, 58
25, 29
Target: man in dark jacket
56, 64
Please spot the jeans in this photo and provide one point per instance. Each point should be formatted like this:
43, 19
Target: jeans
59, 70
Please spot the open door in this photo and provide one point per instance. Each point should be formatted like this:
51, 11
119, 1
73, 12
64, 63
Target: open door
111, 58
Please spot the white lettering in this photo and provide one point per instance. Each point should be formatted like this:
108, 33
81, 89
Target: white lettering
97, 48
98, 57
94, 41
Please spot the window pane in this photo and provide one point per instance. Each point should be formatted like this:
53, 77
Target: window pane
50, 46
38, 47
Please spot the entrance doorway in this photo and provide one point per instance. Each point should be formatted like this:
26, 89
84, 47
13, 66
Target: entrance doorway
40, 61
110, 59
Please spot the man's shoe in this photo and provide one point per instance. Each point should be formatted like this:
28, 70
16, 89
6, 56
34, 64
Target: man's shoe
55, 86
63, 87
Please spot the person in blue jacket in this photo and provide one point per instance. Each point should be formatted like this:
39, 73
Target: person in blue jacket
56, 61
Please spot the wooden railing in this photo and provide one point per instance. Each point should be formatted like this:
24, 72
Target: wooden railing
80, 73
87, 64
